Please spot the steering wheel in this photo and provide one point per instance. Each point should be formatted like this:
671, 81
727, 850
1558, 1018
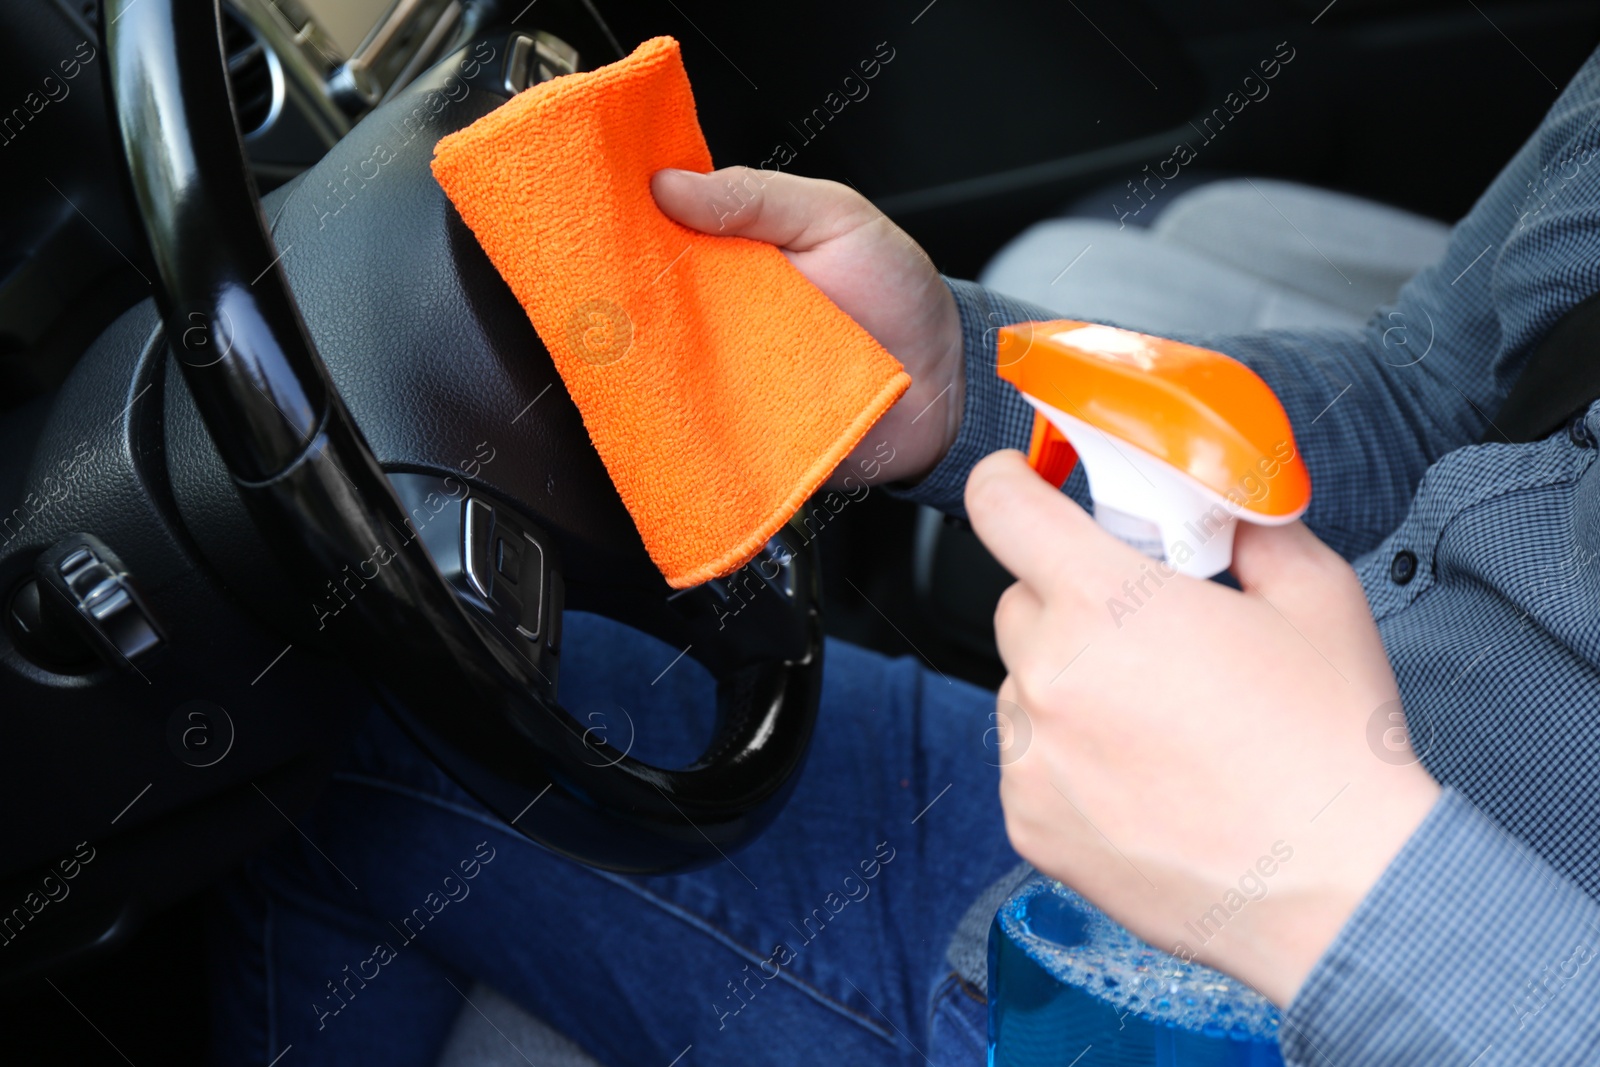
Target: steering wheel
429, 491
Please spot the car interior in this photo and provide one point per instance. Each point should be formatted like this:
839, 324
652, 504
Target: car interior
169, 702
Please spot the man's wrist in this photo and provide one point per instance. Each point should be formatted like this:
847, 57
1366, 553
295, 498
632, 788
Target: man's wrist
955, 402
1293, 927
1447, 954
990, 414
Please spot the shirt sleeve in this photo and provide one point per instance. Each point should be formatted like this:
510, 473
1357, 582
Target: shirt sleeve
1373, 408
1364, 454
994, 415
1470, 950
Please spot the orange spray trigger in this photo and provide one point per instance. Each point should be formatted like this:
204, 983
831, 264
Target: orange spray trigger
1180, 443
1049, 452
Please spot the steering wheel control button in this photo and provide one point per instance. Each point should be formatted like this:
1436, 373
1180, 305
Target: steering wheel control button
1403, 567
85, 573
75, 560
82, 582
558, 600
518, 586
507, 559
555, 56
505, 564
519, 51
477, 527
494, 560
531, 556
537, 57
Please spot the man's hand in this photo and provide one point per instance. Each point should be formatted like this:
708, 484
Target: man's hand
1197, 758
868, 266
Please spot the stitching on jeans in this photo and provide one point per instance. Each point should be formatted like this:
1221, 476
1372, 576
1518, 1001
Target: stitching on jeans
980, 1036
695, 921
427, 798
954, 981
750, 954
939, 993
343, 919
972, 992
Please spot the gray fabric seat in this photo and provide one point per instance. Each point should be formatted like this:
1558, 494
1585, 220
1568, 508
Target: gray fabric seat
493, 1032
1227, 256
1230, 255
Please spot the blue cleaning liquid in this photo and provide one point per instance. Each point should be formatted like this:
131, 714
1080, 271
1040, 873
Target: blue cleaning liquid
1070, 988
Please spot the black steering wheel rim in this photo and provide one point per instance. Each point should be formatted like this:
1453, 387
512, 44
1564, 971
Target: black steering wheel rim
319, 496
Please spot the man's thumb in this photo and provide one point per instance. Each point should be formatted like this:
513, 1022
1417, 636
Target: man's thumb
781, 209
704, 202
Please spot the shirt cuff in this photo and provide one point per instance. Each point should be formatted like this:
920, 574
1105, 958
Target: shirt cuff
1470, 949
994, 415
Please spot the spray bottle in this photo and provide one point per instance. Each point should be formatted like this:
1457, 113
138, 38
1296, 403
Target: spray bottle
1179, 443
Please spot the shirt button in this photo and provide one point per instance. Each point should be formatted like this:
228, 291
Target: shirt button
1403, 567
1578, 432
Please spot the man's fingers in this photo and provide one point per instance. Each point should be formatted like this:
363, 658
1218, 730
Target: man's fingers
781, 209
1033, 530
1275, 561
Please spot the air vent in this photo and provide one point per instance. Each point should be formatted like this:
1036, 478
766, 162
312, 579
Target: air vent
249, 71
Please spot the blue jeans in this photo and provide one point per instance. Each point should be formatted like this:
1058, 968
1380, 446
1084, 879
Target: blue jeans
822, 942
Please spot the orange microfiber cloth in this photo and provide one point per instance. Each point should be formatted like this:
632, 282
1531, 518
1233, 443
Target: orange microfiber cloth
719, 386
